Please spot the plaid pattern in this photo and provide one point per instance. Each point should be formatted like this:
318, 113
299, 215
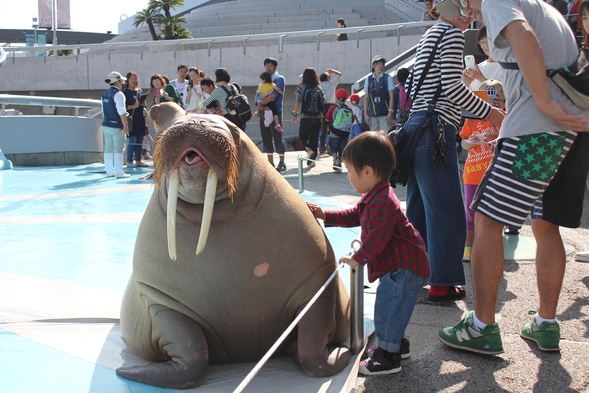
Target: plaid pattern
389, 240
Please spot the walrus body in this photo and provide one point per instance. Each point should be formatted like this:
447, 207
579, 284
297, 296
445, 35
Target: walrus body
264, 259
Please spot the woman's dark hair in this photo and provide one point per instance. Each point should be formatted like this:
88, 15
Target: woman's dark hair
222, 75
482, 33
342, 22
402, 75
583, 9
129, 74
266, 77
158, 77
372, 148
206, 81
195, 70
237, 86
310, 77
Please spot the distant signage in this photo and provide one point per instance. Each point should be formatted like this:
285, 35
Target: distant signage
63, 14
41, 41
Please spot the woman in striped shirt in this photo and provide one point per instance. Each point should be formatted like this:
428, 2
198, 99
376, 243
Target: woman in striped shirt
434, 198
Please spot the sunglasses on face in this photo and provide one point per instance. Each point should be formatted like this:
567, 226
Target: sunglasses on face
463, 4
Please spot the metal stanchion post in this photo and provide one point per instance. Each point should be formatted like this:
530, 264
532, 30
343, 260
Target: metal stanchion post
357, 312
301, 185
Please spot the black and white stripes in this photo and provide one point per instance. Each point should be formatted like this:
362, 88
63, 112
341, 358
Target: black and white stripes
447, 70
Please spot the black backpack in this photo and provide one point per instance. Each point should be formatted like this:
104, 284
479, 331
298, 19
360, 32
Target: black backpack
312, 101
237, 104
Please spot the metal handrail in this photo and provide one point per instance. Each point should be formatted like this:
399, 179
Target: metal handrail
239, 39
76, 103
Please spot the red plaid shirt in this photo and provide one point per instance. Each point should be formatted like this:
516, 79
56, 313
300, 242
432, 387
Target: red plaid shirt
389, 240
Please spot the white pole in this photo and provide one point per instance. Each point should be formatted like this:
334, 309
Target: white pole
54, 21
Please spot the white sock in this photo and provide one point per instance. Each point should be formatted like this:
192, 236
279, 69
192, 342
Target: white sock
478, 325
539, 319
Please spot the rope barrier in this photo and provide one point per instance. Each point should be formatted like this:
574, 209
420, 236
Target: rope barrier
263, 361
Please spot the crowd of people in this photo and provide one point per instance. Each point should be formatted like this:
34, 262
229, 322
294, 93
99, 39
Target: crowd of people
523, 135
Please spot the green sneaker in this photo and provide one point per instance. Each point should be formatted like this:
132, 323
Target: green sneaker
547, 335
464, 336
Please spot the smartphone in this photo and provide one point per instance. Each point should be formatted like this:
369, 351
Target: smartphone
469, 61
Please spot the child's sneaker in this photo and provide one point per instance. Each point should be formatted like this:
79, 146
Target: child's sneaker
377, 364
404, 351
278, 128
464, 336
547, 335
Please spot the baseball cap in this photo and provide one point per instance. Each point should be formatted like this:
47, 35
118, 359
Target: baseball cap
355, 97
495, 95
341, 94
449, 8
378, 58
114, 76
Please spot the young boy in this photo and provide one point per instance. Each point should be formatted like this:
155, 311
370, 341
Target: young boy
391, 247
341, 119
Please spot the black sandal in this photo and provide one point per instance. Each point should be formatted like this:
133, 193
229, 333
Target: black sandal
511, 231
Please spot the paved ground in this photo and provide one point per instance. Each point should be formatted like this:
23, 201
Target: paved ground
522, 368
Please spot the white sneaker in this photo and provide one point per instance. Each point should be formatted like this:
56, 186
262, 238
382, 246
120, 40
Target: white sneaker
582, 256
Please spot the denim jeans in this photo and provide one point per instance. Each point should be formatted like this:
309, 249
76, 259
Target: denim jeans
134, 147
435, 205
396, 296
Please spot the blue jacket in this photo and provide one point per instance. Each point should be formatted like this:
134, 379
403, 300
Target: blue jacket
109, 109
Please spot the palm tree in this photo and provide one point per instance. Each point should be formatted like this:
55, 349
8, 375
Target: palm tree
168, 25
166, 5
180, 33
147, 16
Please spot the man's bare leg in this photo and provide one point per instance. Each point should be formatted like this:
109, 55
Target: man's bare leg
271, 158
550, 266
487, 266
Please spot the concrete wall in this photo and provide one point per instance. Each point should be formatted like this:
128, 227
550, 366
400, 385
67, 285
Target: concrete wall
87, 71
51, 140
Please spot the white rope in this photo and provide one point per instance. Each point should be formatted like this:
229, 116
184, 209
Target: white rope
263, 361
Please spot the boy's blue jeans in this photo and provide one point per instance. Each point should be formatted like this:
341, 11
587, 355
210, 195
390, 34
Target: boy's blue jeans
396, 296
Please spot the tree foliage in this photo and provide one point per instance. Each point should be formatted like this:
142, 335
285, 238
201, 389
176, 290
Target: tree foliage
168, 24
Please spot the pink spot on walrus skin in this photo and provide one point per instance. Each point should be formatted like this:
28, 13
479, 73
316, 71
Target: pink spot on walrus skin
261, 269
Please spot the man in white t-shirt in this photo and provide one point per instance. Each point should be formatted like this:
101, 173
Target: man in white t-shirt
181, 84
329, 81
539, 166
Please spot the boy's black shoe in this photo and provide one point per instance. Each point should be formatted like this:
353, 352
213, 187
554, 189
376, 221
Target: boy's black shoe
380, 363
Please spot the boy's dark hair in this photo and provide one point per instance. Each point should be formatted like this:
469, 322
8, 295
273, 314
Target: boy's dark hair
181, 66
402, 75
372, 148
222, 75
324, 77
271, 60
237, 86
207, 81
213, 105
266, 77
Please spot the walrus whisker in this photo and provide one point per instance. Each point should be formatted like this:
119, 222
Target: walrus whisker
171, 212
207, 210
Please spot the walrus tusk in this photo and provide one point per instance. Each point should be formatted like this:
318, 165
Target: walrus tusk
171, 213
207, 211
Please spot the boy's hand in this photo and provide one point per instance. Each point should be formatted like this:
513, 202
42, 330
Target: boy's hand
349, 260
317, 211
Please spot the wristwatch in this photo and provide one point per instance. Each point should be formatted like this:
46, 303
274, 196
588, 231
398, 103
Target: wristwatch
294, 114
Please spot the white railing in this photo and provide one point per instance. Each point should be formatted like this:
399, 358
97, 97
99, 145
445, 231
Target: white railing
244, 40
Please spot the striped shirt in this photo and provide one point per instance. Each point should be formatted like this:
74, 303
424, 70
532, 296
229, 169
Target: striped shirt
389, 240
220, 95
447, 70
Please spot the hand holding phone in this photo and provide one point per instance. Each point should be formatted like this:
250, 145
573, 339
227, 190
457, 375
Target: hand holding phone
469, 61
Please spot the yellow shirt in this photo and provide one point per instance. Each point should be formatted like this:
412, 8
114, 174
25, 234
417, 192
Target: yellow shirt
266, 88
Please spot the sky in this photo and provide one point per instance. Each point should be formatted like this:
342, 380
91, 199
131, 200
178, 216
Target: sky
86, 15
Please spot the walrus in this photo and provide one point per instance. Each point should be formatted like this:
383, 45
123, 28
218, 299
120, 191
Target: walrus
227, 255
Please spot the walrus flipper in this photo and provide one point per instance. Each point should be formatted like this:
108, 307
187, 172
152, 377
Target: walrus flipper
315, 353
183, 341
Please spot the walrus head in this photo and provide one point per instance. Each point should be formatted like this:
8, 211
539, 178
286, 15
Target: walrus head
197, 156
